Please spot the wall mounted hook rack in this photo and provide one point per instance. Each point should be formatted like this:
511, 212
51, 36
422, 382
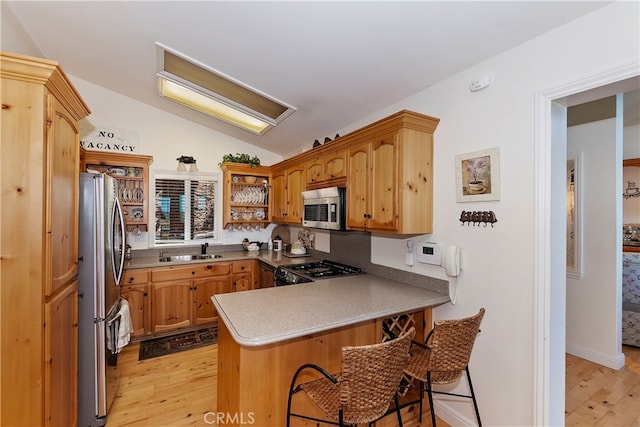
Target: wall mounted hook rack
477, 217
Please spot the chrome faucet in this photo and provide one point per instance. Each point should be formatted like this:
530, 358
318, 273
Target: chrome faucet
203, 248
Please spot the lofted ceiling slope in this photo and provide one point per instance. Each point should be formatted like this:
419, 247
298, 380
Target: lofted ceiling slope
335, 62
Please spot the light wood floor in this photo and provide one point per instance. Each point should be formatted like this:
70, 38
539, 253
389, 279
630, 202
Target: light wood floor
179, 389
599, 396
173, 390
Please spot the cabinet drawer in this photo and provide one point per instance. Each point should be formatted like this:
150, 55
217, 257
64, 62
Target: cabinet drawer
194, 270
242, 266
134, 277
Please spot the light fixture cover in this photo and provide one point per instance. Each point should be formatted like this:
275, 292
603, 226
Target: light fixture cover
194, 85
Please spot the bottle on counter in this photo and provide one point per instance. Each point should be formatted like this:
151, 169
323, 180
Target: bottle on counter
277, 244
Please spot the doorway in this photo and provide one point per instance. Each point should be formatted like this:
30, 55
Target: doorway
550, 231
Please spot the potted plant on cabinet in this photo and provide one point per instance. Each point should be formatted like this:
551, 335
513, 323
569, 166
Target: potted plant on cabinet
253, 161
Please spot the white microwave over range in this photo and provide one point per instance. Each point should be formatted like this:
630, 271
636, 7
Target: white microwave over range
324, 208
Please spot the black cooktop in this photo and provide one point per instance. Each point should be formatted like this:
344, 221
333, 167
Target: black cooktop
325, 269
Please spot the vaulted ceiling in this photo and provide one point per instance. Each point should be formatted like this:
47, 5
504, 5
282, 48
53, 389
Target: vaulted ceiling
335, 62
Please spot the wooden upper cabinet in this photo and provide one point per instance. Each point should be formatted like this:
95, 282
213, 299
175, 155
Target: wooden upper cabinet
314, 171
358, 186
131, 172
335, 165
326, 170
279, 196
372, 185
386, 167
287, 187
246, 195
390, 177
383, 195
295, 187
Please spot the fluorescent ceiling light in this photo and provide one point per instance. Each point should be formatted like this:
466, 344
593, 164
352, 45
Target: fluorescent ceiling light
211, 92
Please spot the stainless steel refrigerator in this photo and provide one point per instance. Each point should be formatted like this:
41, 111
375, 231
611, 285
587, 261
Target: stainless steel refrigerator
101, 259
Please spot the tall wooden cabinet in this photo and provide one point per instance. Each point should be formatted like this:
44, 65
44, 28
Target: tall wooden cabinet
38, 243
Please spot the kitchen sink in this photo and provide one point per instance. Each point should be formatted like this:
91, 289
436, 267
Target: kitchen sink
188, 257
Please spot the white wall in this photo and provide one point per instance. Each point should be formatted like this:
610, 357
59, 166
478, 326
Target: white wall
13, 37
166, 137
593, 315
498, 264
631, 148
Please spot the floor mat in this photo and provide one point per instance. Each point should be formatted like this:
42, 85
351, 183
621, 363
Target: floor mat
175, 343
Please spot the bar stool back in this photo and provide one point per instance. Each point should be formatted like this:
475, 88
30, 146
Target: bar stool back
363, 391
444, 357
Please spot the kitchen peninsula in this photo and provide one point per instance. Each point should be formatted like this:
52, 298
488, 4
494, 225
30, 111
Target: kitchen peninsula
266, 334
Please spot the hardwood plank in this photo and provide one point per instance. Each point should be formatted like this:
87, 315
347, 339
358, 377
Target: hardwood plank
179, 389
599, 396
172, 390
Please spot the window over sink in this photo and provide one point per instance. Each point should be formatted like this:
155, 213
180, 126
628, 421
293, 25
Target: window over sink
187, 208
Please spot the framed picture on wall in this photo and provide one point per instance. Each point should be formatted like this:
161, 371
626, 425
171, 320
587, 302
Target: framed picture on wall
574, 216
478, 176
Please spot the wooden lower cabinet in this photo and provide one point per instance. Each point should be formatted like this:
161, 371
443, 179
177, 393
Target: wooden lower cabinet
135, 289
61, 357
138, 298
266, 273
171, 305
243, 275
180, 296
204, 310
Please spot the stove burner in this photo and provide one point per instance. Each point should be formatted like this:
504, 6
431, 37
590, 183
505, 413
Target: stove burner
304, 273
325, 269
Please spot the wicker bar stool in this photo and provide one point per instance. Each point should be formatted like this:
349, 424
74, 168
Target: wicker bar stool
363, 391
443, 357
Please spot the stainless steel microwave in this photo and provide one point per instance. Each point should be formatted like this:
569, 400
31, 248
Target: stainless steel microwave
324, 208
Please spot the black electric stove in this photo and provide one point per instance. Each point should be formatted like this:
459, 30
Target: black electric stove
305, 273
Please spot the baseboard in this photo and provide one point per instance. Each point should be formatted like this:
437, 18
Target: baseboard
614, 362
452, 417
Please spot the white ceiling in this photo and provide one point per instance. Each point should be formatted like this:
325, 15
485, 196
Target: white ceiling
336, 62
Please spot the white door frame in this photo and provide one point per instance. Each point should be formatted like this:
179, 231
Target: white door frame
549, 249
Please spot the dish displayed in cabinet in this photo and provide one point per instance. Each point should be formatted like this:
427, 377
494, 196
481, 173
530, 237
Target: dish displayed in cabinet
131, 172
117, 171
248, 195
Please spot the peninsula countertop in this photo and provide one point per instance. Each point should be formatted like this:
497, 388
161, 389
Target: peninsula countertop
266, 316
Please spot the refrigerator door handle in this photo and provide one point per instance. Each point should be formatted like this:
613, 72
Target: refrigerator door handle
117, 253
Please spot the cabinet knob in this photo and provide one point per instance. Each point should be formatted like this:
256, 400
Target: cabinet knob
209, 267
193, 272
